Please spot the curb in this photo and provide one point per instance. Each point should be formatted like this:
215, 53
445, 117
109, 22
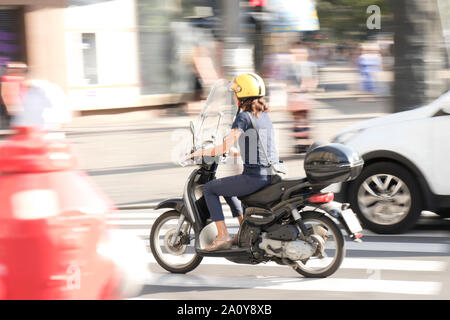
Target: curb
365, 116
137, 206
344, 95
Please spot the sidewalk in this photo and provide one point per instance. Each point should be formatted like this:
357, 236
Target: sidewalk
166, 116
327, 107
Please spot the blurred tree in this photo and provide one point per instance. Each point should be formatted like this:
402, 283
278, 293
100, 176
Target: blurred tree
418, 47
419, 53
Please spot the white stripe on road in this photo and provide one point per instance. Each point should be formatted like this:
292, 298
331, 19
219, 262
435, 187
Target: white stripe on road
148, 215
148, 219
349, 263
399, 247
143, 215
297, 284
364, 246
226, 210
116, 219
399, 265
138, 222
133, 222
412, 233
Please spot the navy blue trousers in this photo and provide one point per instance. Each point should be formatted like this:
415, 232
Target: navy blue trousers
230, 188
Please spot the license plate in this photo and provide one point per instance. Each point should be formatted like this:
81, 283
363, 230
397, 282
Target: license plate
351, 221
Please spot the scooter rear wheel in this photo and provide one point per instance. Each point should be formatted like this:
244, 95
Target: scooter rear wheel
326, 262
177, 258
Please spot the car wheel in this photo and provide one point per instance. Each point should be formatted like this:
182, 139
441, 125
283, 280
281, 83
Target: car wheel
386, 198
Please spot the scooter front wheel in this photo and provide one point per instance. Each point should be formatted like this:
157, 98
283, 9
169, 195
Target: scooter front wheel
175, 255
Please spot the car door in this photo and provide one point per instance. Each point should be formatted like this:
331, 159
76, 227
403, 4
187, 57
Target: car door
440, 147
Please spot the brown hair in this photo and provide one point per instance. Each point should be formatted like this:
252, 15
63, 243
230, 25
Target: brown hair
255, 106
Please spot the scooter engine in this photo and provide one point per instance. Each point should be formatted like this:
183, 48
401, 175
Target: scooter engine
293, 250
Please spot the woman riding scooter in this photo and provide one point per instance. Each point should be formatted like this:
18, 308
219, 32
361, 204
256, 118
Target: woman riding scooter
250, 90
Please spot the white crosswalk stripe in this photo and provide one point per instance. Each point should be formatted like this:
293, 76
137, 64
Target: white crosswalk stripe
364, 246
354, 263
130, 218
299, 284
139, 224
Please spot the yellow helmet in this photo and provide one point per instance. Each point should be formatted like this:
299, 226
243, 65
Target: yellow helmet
249, 85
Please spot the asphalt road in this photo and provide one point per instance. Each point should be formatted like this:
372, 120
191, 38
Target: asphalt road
129, 157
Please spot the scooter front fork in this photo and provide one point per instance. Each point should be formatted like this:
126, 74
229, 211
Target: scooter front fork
177, 230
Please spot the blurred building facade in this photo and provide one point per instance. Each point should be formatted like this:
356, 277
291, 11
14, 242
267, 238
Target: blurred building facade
131, 53
33, 32
103, 53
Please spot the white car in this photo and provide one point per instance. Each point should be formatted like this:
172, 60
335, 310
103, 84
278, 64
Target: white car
406, 169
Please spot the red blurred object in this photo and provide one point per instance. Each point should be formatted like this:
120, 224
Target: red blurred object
258, 3
52, 221
358, 235
322, 198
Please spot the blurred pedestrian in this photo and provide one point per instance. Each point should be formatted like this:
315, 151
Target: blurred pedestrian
369, 63
13, 89
304, 70
305, 79
206, 72
278, 74
44, 105
278, 65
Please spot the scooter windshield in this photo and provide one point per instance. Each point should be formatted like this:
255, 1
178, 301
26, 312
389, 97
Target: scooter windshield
216, 118
211, 126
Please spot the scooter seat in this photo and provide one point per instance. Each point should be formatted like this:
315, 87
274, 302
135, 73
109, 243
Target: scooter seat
270, 194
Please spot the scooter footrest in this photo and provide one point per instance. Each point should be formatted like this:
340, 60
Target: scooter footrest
234, 251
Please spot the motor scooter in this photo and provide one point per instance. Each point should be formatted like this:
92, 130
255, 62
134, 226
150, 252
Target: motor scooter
290, 221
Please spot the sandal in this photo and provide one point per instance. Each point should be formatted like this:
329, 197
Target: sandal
219, 244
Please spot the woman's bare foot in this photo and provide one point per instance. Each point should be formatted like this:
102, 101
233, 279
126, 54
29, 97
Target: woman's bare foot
219, 244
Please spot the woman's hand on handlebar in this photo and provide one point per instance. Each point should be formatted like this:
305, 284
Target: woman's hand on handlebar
200, 154
222, 149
